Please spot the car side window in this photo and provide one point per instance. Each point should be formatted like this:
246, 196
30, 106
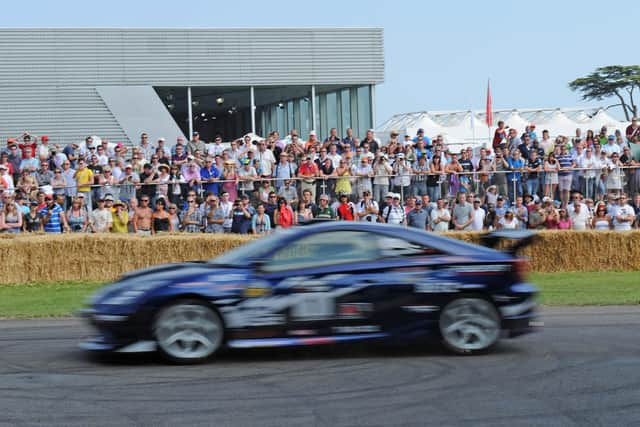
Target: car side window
394, 247
323, 249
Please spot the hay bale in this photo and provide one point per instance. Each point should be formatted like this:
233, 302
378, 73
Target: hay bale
96, 257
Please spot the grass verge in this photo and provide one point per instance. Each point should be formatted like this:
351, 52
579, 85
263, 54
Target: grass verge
44, 299
588, 288
62, 299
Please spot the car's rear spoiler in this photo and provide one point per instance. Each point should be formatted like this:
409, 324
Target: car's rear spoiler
520, 238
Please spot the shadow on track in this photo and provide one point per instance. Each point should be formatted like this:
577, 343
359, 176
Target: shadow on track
325, 352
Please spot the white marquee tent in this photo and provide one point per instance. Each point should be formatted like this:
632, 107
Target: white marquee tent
464, 128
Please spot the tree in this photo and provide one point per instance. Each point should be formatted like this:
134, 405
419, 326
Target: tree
614, 80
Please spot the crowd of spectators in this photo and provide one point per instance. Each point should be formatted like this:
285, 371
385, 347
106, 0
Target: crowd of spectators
254, 186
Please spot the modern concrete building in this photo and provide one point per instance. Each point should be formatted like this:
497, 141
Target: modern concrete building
117, 83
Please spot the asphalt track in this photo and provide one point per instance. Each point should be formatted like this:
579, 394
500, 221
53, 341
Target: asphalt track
582, 369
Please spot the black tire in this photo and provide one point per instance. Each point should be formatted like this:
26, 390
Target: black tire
188, 331
469, 324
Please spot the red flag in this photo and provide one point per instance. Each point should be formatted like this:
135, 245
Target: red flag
489, 113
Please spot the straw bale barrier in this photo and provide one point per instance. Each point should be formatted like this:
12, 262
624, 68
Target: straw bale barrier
54, 258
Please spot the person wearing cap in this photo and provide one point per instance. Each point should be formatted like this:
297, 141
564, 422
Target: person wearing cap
479, 215
119, 218
54, 219
611, 146
266, 159
209, 177
382, 172
394, 213
196, 144
345, 210
323, 210
6, 179
417, 217
367, 209
247, 175
216, 148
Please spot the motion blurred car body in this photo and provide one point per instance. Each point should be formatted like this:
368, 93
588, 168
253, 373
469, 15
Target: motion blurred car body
320, 284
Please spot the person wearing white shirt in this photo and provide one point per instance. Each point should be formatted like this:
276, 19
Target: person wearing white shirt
624, 215
216, 148
334, 156
266, 158
591, 174
479, 215
579, 214
611, 147
440, 217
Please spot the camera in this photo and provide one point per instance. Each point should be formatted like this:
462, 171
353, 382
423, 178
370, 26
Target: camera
368, 218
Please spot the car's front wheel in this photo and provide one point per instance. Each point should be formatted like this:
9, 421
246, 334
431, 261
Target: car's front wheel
469, 324
188, 332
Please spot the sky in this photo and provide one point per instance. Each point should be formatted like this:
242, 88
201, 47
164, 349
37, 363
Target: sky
438, 55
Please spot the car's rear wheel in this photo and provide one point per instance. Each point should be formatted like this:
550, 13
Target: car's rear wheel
469, 324
188, 332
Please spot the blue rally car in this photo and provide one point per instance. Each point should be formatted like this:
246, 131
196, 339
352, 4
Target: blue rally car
319, 284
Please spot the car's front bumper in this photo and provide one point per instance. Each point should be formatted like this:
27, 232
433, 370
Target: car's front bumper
116, 333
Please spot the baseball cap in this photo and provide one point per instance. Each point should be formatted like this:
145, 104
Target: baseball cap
44, 138
477, 200
418, 201
611, 137
3, 167
396, 196
420, 130
324, 197
108, 197
246, 161
389, 195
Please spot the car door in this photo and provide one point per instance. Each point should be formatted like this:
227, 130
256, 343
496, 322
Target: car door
316, 281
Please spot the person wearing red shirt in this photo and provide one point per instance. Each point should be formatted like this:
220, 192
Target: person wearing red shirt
345, 209
308, 171
284, 214
28, 143
633, 130
499, 135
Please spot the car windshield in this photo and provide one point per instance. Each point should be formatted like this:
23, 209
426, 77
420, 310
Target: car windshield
238, 257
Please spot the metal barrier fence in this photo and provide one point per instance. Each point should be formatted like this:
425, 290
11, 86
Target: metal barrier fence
622, 178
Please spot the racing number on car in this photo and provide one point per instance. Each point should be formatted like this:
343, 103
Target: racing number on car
312, 298
313, 306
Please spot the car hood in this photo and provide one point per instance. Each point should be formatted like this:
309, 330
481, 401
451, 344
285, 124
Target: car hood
184, 273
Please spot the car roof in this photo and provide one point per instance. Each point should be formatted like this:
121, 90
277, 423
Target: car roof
442, 243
